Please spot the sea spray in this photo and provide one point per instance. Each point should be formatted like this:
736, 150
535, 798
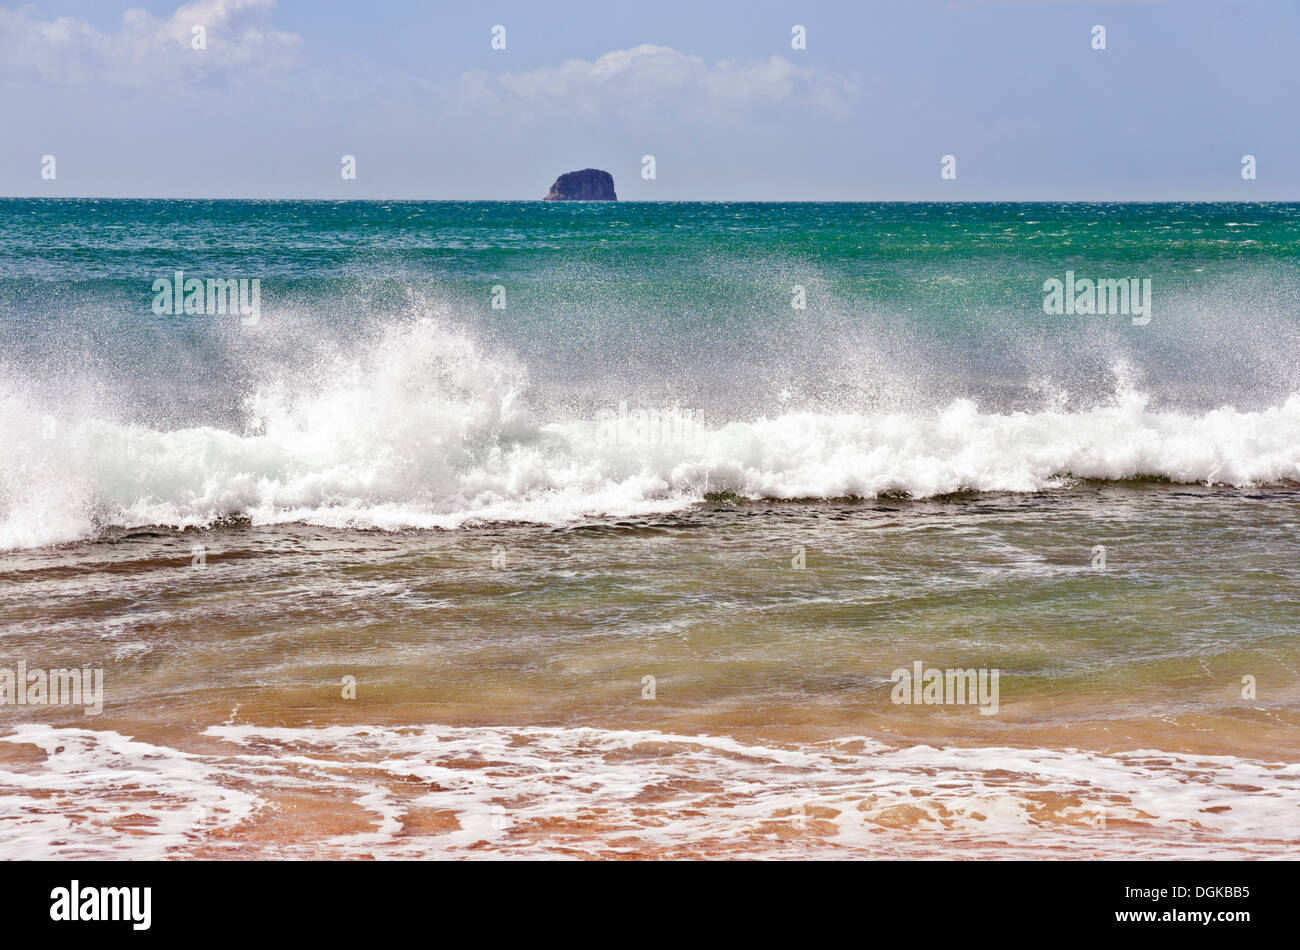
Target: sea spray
424, 430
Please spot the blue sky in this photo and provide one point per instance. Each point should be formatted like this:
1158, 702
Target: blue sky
414, 90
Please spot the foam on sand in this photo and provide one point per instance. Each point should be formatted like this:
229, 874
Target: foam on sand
585, 791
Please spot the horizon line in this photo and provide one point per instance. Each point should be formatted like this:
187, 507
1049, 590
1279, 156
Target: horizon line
658, 201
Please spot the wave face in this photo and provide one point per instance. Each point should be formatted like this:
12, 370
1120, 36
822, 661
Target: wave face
624, 377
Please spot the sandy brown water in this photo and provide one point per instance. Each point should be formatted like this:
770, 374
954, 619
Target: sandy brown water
501, 706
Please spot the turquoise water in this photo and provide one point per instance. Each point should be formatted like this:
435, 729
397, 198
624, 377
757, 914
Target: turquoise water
908, 305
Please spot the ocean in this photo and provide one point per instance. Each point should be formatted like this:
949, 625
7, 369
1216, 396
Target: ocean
525, 529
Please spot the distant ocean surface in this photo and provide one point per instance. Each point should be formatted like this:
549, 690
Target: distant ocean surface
498, 463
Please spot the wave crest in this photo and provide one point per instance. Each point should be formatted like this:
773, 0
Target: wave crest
423, 430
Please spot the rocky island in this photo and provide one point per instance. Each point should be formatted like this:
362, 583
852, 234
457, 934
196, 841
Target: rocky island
590, 184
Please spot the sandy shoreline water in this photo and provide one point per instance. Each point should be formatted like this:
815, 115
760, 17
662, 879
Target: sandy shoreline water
503, 710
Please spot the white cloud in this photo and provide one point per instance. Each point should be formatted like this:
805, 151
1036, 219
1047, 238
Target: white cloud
635, 82
147, 50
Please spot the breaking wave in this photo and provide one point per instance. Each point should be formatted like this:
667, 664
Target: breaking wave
424, 429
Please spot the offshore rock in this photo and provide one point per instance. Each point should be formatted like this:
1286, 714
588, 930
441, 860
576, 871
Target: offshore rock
590, 184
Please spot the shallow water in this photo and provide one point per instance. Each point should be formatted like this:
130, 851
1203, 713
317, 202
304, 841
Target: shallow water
513, 695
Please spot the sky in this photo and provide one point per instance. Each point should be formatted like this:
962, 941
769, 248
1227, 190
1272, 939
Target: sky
714, 90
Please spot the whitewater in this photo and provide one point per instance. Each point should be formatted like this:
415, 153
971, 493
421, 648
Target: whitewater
424, 429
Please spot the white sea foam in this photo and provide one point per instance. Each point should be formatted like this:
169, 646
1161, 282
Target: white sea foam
424, 430
584, 791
